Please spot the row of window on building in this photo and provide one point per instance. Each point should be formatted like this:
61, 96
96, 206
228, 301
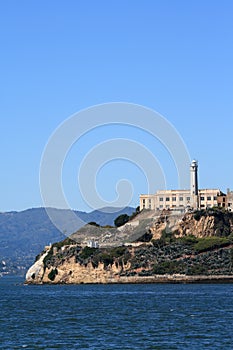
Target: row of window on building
173, 199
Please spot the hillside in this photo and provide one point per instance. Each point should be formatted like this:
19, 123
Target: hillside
168, 246
24, 234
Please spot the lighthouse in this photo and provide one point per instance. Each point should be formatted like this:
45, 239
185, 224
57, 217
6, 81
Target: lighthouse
194, 184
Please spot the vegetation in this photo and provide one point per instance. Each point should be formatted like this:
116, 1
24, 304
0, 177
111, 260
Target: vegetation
210, 243
66, 241
121, 220
188, 255
93, 223
52, 274
86, 253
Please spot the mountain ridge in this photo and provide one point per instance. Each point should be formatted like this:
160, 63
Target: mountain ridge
23, 234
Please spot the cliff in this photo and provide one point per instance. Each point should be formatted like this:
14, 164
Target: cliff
161, 248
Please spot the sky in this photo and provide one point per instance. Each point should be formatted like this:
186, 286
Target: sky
62, 57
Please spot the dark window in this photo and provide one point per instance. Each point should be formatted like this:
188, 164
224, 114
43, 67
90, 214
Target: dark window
161, 199
167, 199
202, 198
181, 199
209, 198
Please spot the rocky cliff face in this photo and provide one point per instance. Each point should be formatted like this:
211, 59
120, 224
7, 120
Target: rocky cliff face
187, 245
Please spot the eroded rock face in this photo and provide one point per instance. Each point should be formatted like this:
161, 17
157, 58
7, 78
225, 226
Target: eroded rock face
36, 271
138, 262
71, 271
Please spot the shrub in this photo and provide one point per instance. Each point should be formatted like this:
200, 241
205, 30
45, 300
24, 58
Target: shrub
106, 258
93, 223
121, 220
198, 214
52, 274
87, 252
66, 241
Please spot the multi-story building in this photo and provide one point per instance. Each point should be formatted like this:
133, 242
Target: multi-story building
229, 202
193, 198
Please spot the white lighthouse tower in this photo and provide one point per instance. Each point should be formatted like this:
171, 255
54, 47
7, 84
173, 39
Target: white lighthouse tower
194, 184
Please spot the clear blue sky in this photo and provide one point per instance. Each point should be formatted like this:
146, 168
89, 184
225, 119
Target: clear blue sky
58, 57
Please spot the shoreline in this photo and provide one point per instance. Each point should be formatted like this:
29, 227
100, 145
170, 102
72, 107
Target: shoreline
156, 279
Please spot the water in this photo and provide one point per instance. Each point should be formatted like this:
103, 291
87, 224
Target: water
115, 316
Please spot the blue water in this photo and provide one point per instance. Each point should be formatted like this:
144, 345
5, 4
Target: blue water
115, 316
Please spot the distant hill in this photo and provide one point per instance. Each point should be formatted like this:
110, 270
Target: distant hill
24, 234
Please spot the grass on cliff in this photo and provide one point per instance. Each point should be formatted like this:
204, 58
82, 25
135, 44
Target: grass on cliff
210, 243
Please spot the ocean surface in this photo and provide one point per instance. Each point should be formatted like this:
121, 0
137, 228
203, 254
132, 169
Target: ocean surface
158, 316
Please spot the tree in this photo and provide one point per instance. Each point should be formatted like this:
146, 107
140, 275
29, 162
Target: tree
121, 220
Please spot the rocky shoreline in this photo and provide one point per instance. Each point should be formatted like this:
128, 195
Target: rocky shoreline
157, 279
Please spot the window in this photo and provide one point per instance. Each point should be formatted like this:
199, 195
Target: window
161, 206
202, 206
144, 206
143, 201
188, 198
161, 199
215, 198
149, 206
173, 199
202, 198
209, 198
149, 200
167, 199
181, 199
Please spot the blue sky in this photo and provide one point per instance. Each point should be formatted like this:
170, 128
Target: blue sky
59, 57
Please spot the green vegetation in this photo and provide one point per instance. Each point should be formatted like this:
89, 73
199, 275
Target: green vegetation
87, 252
188, 240
52, 274
210, 243
121, 220
93, 223
167, 267
66, 241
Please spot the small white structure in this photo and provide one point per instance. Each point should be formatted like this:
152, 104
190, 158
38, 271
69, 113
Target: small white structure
92, 243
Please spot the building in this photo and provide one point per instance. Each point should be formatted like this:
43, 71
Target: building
229, 200
184, 200
92, 243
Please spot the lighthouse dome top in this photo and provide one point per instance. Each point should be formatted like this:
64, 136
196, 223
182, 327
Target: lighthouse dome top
194, 162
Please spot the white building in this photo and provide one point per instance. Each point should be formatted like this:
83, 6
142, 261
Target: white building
92, 243
184, 199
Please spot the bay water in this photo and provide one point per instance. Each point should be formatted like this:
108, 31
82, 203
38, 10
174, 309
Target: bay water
140, 316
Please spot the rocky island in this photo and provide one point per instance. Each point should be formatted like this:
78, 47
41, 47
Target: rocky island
151, 247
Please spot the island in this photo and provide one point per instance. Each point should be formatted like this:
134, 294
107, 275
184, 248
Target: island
150, 247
